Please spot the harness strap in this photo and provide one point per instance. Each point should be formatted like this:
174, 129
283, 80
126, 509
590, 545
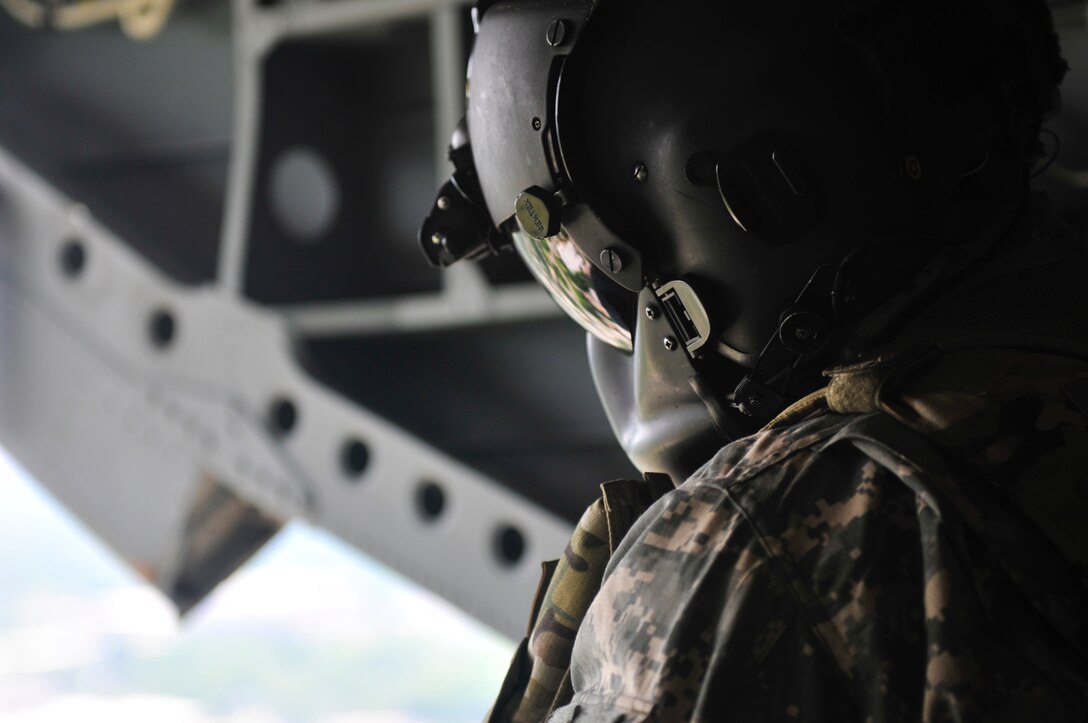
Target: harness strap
538, 681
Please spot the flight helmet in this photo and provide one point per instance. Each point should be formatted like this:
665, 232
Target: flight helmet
721, 193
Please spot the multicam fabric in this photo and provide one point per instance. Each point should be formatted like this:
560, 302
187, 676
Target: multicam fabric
539, 680
921, 559
573, 585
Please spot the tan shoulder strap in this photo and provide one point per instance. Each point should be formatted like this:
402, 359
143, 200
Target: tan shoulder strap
539, 678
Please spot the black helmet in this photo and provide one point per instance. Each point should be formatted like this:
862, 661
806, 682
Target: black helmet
720, 191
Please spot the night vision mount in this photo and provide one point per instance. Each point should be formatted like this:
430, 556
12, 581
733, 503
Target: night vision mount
459, 227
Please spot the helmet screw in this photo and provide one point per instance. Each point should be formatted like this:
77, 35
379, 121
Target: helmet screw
803, 332
641, 173
557, 33
438, 239
914, 168
443, 203
537, 124
612, 261
670, 343
755, 403
651, 312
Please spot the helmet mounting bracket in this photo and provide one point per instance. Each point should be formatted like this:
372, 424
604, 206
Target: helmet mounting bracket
804, 330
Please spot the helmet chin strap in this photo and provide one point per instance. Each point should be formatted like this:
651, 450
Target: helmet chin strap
804, 330
677, 326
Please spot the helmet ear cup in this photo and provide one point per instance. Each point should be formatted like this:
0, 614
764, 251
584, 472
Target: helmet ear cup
764, 190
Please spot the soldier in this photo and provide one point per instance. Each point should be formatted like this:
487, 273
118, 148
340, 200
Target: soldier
822, 298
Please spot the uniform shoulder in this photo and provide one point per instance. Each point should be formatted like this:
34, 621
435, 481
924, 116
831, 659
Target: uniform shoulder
772, 448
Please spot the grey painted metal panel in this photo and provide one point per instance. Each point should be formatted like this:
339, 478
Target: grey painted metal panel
123, 432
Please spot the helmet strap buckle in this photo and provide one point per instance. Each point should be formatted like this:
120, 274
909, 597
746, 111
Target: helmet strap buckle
804, 330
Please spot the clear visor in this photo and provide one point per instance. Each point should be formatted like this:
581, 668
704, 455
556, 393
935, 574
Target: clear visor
600, 305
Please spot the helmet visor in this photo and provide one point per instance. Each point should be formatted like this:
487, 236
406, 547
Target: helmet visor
599, 305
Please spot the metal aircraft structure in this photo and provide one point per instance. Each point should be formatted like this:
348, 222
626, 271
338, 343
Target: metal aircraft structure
215, 319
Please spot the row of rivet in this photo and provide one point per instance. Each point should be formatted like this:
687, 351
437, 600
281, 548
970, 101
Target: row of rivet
283, 418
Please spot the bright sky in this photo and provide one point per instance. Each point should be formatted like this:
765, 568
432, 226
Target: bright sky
310, 631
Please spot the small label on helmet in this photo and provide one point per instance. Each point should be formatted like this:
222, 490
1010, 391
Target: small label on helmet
534, 214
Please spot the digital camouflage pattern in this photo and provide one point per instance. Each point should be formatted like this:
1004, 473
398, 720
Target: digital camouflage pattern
913, 550
908, 544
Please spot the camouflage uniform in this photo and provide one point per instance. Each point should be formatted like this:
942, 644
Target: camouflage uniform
910, 543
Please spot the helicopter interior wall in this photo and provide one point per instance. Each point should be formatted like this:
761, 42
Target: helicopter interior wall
345, 162
513, 401
139, 133
143, 134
